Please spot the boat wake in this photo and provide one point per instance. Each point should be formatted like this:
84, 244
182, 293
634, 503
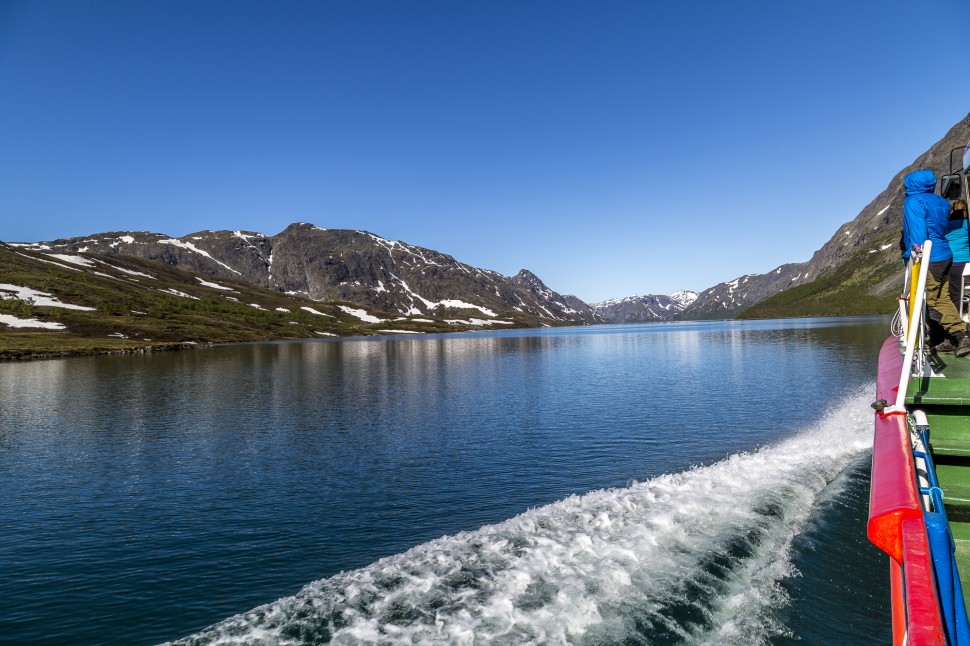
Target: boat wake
696, 557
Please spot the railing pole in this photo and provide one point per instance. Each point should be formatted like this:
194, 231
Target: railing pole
904, 317
915, 328
905, 297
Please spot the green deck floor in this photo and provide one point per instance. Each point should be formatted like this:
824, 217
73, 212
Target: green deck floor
961, 538
946, 402
952, 389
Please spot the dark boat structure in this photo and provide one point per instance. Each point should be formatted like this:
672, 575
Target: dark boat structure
919, 503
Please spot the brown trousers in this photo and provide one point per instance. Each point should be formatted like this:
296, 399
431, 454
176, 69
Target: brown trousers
942, 309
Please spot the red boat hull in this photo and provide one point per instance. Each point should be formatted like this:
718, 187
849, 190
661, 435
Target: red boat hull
896, 523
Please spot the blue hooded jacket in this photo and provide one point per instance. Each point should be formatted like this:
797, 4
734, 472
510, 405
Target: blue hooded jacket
959, 239
925, 215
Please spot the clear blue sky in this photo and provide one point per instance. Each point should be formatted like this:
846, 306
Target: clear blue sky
612, 148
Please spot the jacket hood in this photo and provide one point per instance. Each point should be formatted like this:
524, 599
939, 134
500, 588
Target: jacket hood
920, 181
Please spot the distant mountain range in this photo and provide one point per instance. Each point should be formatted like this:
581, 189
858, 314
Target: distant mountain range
342, 265
304, 276
57, 302
644, 309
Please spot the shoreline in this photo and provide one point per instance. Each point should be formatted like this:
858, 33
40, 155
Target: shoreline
31, 355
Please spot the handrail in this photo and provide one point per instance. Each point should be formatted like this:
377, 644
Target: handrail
893, 493
896, 524
914, 331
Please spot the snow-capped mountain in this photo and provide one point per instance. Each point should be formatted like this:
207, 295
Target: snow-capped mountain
725, 300
644, 309
345, 265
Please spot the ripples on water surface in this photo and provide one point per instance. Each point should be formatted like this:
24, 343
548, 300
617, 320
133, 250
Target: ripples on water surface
680, 483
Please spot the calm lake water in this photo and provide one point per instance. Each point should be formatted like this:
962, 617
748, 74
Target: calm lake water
685, 483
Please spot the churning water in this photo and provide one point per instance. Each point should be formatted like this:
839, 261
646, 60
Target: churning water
669, 484
696, 555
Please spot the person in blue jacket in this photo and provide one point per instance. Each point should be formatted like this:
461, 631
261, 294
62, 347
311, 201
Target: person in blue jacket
925, 217
958, 236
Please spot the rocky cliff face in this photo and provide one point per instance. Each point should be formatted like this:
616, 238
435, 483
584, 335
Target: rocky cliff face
872, 235
343, 265
880, 222
724, 300
644, 309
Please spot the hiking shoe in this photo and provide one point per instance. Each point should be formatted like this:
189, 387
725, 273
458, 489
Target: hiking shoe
946, 346
963, 347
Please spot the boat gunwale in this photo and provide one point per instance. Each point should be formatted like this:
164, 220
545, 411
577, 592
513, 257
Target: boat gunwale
896, 524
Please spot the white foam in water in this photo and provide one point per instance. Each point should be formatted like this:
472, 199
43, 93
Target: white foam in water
694, 557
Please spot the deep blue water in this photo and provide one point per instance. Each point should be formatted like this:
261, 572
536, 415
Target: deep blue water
697, 483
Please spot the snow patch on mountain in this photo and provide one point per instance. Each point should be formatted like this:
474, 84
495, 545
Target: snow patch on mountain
35, 297
74, 260
361, 314
313, 311
191, 247
180, 294
214, 285
12, 321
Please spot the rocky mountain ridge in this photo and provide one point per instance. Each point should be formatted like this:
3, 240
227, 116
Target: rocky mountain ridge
344, 265
58, 304
644, 309
360, 267
868, 244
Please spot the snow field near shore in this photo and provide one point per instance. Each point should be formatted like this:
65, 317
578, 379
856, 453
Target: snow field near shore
12, 321
34, 297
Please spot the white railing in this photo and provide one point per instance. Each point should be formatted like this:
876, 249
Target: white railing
900, 323
914, 331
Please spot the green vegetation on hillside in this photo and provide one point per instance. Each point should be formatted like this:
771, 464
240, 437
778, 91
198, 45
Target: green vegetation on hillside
142, 305
845, 291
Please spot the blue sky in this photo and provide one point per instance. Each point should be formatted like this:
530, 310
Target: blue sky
612, 148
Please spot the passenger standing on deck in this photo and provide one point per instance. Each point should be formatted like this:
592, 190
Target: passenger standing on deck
925, 217
958, 236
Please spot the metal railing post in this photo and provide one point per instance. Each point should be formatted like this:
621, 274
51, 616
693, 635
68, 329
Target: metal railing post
915, 328
903, 300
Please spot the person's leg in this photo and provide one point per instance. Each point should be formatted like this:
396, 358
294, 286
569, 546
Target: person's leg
954, 277
941, 307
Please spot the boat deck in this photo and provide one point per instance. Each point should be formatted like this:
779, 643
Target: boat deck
961, 538
946, 401
952, 389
